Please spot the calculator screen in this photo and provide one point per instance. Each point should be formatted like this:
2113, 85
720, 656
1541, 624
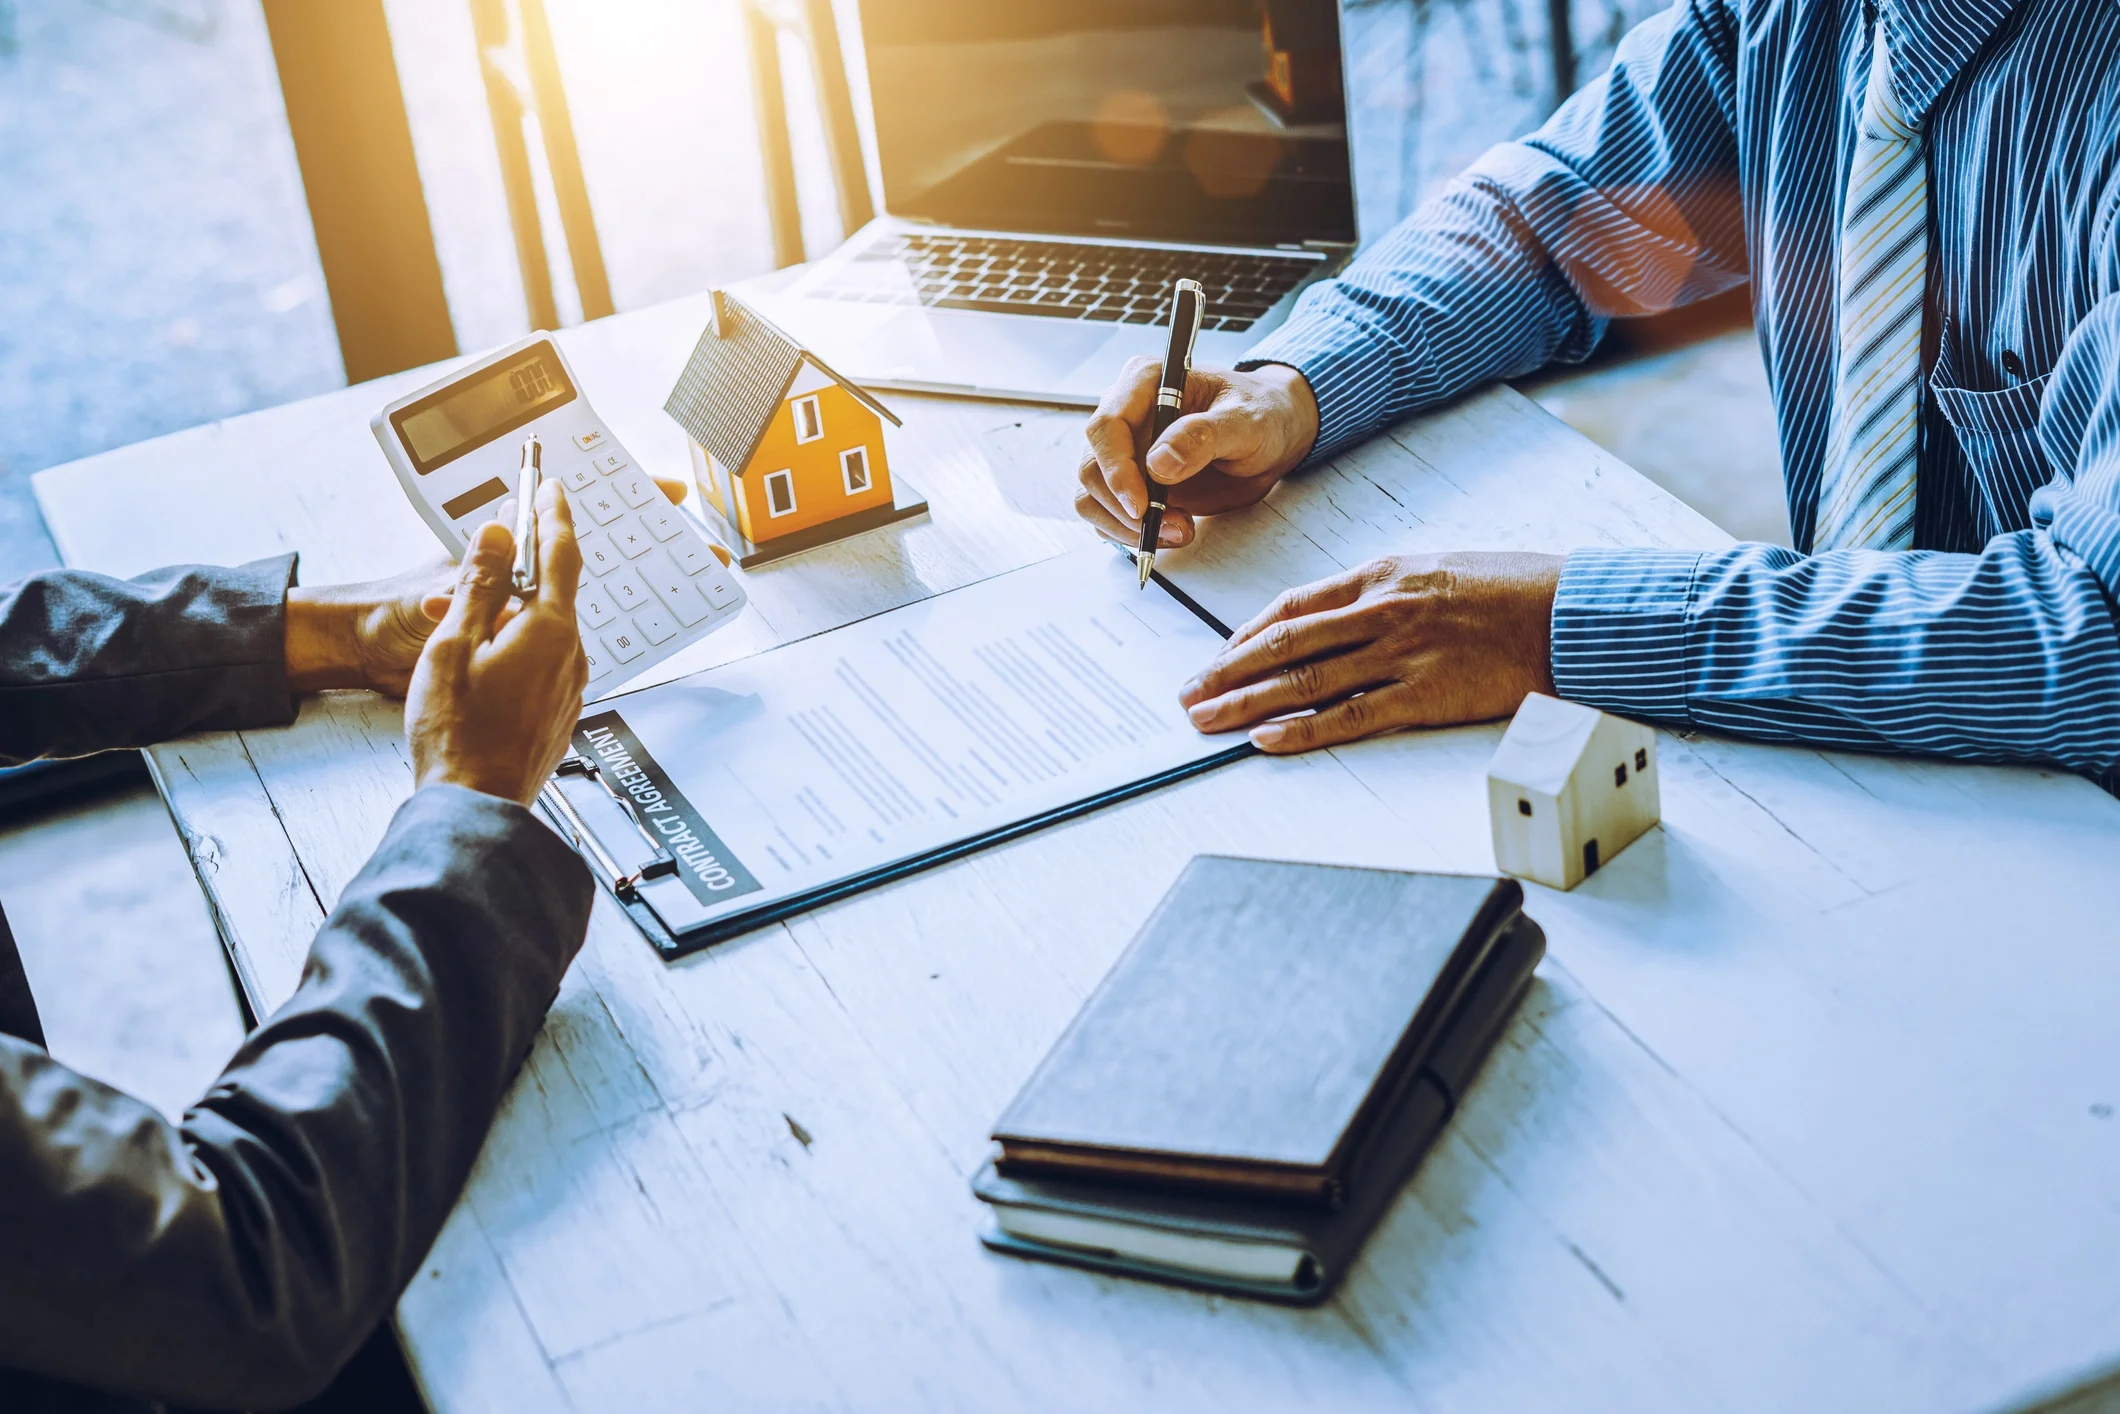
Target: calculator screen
491, 403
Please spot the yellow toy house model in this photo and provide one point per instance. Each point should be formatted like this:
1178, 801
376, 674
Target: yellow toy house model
1569, 788
790, 453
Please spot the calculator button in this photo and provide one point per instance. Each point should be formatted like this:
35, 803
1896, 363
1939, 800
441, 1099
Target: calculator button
663, 522
627, 591
593, 654
624, 642
720, 593
692, 556
602, 504
609, 463
637, 489
598, 556
690, 607
589, 441
632, 540
671, 586
594, 606
581, 478
663, 575
655, 625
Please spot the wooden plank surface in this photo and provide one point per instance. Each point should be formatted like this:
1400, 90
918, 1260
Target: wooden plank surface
1811, 1106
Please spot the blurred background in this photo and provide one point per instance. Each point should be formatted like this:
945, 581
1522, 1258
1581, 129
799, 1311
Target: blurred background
159, 265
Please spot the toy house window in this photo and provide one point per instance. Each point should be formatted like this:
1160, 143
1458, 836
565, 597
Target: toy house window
1641, 759
1523, 807
780, 493
1619, 774
809, 422
854, 469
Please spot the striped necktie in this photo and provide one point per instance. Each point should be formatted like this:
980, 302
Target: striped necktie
1866, 499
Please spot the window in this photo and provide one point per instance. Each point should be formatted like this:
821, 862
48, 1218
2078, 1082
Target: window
1641, 760
1619, 774
780, 493
854, 469
1523, 807
809, 422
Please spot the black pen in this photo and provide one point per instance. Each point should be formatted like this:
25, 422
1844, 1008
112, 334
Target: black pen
1187, 300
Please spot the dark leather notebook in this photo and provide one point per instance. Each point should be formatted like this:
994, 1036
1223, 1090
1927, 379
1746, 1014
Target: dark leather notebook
1247, 1038
1275, 1250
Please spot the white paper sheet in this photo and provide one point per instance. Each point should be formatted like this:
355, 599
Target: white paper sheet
889, 739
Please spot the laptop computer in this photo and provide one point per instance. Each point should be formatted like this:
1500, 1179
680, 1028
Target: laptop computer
1049, 169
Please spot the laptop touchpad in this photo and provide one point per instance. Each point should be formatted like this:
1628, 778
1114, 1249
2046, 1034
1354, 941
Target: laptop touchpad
934, 345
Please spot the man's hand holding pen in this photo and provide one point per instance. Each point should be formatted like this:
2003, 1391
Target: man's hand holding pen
1410, 640
493, 695
493, 702
1236, 436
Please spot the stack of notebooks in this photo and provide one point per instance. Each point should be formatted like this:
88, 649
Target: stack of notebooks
1242, 1098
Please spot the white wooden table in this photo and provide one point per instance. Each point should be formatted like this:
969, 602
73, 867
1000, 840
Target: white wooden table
1811, 1108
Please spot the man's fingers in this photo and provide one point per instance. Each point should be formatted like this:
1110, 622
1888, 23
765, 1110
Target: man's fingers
1277, 649
1317, 597
1114, 432
1177, 526
1314, 684
1098, 488
559, 558
482, 586
1277, 646
1369, 714
1199, 439
1104, 522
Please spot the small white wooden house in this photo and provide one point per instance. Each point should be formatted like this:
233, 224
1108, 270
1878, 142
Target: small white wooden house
1569, 788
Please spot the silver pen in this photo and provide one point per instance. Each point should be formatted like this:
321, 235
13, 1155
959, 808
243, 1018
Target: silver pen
526, 519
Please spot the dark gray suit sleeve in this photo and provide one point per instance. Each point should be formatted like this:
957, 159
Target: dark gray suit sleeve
88, 662
237, 1259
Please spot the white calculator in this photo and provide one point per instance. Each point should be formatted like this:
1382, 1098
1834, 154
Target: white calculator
650, 585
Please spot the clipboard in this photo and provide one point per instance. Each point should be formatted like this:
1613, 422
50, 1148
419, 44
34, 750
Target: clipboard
637, 866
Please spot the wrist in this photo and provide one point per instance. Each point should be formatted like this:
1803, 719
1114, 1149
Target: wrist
323, 642
1299, 409
1544, 590
452, 761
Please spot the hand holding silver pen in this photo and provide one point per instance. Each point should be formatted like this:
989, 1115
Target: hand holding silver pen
527, 482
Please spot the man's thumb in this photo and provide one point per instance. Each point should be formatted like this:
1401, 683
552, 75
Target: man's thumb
483, 585
1188, 445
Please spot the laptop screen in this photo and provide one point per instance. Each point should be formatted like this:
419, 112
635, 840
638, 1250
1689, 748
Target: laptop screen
1211, 121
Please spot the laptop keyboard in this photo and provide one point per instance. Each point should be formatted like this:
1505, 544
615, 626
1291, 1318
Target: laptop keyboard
1112, 284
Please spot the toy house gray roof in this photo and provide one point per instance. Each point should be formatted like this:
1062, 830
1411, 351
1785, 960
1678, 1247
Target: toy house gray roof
735, 380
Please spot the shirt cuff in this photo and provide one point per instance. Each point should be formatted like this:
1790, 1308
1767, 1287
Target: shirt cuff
1619, 631
250, 602
1352, 372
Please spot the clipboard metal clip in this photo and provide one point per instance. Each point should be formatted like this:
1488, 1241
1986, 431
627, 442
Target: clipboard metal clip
659, 863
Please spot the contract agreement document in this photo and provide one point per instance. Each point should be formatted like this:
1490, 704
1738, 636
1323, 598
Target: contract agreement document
752, 791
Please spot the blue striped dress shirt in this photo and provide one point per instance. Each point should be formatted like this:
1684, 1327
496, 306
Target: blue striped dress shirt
1716, 151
